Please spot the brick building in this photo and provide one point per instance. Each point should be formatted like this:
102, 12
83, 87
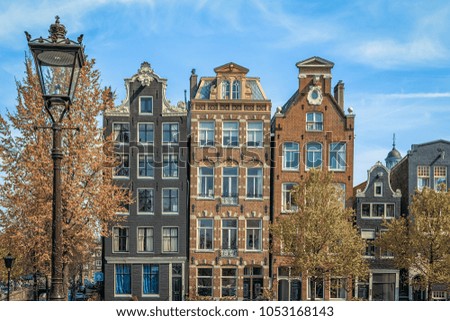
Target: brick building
310, 131
229, 185
375, 203
146, 256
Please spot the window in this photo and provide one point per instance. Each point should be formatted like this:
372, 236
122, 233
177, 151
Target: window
123, 168
290, 156
288, 203
423, 177
170, 133
150, 282
146, 105
146, 168
121, 133
204, 281
341, 187
122, 279
369, 237
146, 199
313, 155
384, 252
170, 165
145, 239
316, 287
255, 134
377, 210
314, 121
338, 156
229, 238
230, 133
254, 235
229, 281
225, 89
206, 182
170, 239
124, 206
230, 185
120, 239
254, 183
236, 89
337, 288
253, 283
440, 177
378, 189
205, 234
146, 133
206, 133
383, 286
289, 285
170, 200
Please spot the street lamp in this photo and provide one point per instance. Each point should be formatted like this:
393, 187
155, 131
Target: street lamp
9, 262
58, 64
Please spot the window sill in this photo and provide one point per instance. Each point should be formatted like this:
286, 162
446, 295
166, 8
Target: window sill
143, 213
290, 169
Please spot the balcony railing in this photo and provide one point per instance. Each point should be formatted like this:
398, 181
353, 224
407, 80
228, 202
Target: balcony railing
228, 253
229, 200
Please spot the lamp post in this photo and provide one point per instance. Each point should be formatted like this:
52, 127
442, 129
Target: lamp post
9, 262
58, 63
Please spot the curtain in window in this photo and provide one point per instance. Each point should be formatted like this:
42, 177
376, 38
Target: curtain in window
123, 279
151, 279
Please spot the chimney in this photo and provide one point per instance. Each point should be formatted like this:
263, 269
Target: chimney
339, 93
193, 83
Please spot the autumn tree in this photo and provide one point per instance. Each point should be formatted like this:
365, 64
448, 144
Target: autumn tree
89, 198
420, 242
320, 240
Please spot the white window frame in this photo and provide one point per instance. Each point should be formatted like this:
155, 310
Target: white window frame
440, 176
152, 192
236, 89
172, 135
289, 154
372, 211
341, 282
230, 133
226, 89
314, 123
286, 194
140, 105
369, 236
255, 136
229, 180
120, 133
171, 164
254, 231
258, 183
377, 185
203, 230
145, 157
313, 152
228, 277
117, 238
338, 151
229, 230
309, 289
146, 142
423, 176
204, 181
163, 238
122, 156
142, 239
164, 212
204, 132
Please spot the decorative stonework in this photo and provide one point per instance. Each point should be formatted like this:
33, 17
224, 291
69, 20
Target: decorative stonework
145, 74
315, 96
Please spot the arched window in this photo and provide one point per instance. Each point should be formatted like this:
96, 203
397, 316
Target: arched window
236, 89
313, 155
225, 89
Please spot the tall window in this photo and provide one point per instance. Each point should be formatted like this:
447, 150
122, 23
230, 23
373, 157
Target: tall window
289, 285
145, 239
226, 89
120, 239
124, 206
230, 133
146, 105
290, 156
146, 199
338, 156
313, 155
230, 185
146, 168
146, 133
205, 234
337, 288
254, 235
204, 281
383, 286
314, 121
122, 279
288, 203
150, 282
170, 133
255, 134
377, 210
423, 177
254, 182
229, 238
170, 165
236, 89
123, 166
253, 282
369, 237
206, 182
440, 177
206, 133
170, 200
316, 286
229, 282
170, 239
121, 133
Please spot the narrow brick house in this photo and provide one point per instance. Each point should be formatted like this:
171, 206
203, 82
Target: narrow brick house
229, 185
146, 256
311, 130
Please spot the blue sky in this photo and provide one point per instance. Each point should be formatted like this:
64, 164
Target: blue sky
393, 56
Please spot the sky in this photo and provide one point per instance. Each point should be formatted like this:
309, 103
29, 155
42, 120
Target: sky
393, 56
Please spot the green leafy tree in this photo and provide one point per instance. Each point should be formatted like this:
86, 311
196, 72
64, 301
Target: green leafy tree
320, 240
421, 241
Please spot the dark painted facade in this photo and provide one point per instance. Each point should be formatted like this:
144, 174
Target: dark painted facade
146, 256
375, 203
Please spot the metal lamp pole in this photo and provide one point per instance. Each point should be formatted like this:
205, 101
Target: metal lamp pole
9, 261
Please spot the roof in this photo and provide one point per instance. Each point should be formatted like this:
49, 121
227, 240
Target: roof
315, 61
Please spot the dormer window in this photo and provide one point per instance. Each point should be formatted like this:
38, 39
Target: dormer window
378, 189
236, 89
225, 89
